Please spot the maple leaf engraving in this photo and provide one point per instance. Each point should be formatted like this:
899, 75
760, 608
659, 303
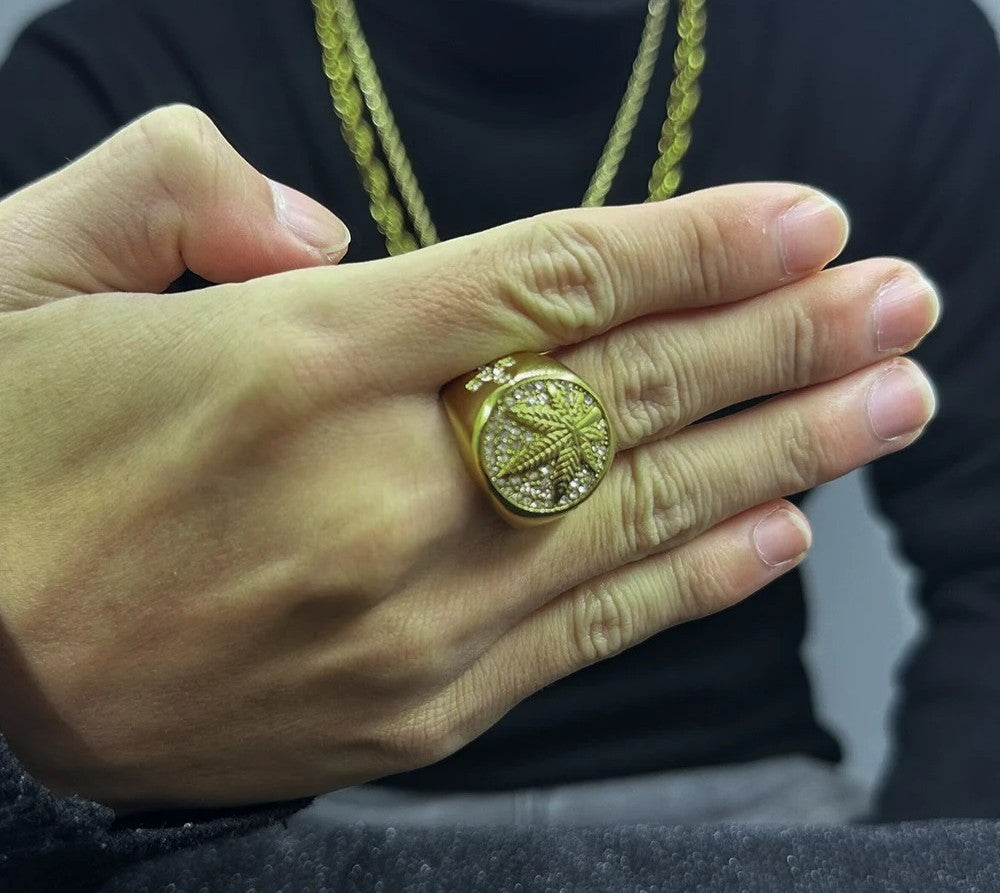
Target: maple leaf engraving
570, 432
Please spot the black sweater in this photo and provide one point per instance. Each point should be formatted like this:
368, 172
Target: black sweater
893, 106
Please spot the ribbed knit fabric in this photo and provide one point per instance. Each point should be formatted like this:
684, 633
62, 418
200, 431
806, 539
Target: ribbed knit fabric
68, 844
44, 836
941, 857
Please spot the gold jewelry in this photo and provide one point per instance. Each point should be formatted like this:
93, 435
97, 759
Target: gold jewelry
355, 87
532, 433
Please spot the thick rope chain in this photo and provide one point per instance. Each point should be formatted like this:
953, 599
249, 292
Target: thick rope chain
675, 136
355, 87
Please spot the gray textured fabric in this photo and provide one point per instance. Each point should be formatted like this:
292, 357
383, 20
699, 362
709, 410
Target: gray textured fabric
959, 857
784, 790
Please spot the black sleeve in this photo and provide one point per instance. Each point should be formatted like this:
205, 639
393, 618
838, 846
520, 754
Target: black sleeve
44, 836
943, 494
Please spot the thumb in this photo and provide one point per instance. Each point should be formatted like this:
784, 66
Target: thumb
164, 195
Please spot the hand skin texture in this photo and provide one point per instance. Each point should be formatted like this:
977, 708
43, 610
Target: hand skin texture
241, 559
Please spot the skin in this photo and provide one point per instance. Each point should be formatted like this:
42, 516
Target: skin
241, 559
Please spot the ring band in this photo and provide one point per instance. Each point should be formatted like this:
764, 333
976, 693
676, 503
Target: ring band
532, 433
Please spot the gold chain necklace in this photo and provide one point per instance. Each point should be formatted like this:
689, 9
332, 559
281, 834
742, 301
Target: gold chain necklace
355, 87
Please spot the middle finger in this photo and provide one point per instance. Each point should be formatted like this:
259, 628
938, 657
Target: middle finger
660, 374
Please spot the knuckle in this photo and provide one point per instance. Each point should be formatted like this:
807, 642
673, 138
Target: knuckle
654, 510
177, 130
562, 278
697, 591
701, 243
801, 354
264, 389
274, 362
411, 655
648, 381
179, 145
261, 381
354, 560
604, 622
429, 662
798, 456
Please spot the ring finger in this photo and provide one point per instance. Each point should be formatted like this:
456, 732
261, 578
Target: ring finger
662, 494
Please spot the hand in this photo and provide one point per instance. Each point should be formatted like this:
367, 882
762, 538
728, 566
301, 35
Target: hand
242, 559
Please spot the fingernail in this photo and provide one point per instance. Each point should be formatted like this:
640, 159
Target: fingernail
781, 537
812, 233
900, 402
309, 221
906, 309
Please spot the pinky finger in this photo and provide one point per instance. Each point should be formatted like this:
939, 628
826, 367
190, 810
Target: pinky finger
605, 616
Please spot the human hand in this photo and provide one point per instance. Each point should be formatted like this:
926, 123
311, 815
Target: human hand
242, 559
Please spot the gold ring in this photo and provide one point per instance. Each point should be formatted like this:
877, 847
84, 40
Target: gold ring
532, 433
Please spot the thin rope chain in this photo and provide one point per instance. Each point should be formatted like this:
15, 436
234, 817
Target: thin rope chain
632, 102
355, 86
357, 133
391, 143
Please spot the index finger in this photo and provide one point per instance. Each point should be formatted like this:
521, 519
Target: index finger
563, 277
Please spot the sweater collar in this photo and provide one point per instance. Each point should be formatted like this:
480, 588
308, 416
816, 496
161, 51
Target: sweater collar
515, 45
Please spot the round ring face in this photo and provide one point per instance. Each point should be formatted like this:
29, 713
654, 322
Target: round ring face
546, 445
